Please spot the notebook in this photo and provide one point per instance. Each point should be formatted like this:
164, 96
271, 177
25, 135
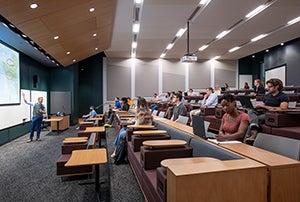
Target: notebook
200, 127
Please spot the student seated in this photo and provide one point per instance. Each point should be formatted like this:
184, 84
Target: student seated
274, 99
179, 108
143, 117
91, 114
234, 123
210, 99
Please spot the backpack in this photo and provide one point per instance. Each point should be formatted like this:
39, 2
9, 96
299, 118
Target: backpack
121, 152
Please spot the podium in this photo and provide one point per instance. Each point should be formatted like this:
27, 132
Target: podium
63, 124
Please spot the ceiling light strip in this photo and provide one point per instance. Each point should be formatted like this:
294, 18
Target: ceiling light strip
200, 7
239, 23
137, 10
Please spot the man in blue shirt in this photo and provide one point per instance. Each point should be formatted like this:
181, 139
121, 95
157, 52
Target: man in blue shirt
117, 103
37, 117
210, 100
92, 114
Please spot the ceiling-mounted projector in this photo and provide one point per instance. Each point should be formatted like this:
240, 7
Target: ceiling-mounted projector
189, 58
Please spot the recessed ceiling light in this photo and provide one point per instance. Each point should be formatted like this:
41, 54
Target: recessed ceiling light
234, 49
74, 60
267, 50
162, 55
216, 57
33, 6
282, 44
222, 34
180, 32
96, 48
136, 27
253, 56
255, 11
258, 37
23, 35
94, 34
68, 53
56, 37
92, 10
138, 1
169, 46
203, 47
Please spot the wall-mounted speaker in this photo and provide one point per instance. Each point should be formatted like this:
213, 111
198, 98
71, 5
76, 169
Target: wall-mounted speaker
35, 80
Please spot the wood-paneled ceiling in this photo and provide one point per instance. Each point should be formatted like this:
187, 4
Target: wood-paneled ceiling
160, 20
70, 20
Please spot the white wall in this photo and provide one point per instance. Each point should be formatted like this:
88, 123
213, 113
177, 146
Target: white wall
142, 77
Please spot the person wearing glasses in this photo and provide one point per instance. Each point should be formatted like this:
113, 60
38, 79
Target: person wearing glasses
275, 99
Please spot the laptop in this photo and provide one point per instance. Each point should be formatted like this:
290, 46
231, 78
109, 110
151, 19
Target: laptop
246, 102
200, 127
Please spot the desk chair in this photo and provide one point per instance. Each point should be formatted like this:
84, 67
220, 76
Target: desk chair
281, 145
161, 114
182, 119
155, 112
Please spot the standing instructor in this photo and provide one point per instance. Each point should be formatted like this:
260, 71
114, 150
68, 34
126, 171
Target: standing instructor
37, 117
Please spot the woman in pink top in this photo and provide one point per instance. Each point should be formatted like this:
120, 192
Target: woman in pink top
234, 123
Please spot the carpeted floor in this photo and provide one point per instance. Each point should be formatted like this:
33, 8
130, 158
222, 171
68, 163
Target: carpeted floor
28, 173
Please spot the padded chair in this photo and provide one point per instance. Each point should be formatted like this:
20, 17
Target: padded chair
182, 119
280, 145
161, 114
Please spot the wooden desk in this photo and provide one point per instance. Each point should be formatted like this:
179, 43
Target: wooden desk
164, 143
98, 129
284, 173
86, 122
212, 180
285, 110
183, 161
141, 126
149, 132
63, 124
97, 119
74, 141
75, 138
89, 157
56, 120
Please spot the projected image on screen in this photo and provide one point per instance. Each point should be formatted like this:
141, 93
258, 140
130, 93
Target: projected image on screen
9, 76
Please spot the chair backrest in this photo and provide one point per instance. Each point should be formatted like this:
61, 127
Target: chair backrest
161, 114
182, 119
92, 141
154, 112
281, 145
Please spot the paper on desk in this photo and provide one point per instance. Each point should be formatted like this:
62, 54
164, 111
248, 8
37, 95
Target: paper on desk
224, 142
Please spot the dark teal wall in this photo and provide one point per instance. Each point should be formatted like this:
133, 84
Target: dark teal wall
85, 86
90, 86
28, 68
288, 55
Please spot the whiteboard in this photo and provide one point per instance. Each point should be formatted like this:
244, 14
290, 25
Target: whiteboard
11, 115
243, 79
36, 94
278, 72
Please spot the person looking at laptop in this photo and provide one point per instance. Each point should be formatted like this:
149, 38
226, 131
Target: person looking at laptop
210, 99
234, 122
275, 99
143, 117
